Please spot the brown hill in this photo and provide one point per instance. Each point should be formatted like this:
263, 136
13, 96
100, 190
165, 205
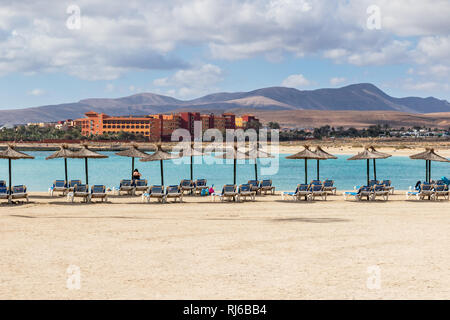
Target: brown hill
356, 119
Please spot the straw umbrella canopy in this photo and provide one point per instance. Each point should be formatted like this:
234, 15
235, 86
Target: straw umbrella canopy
428, 155
85, 153
159, 155
11, 154
368, 154
235, 154
132, 152
258, 153
323, 156
305, 154
64, 152
192, 152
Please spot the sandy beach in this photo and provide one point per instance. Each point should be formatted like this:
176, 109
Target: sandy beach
267, 249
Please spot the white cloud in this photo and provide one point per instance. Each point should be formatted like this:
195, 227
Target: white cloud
116, 38
296, 81
192, 82
36, 92
426, 86
337, 81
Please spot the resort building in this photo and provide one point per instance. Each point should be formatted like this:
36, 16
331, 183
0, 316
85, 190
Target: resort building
241, 122
158, 127
100, 123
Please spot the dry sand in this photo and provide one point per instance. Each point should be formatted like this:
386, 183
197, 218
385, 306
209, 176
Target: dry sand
266, 249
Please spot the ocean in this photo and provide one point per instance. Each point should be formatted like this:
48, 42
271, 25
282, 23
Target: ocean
38, 174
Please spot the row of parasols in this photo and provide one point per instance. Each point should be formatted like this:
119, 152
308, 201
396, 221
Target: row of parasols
369, 153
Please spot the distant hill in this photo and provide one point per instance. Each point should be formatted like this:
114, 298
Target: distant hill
358, 97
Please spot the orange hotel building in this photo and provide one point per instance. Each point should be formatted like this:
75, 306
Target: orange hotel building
157, 127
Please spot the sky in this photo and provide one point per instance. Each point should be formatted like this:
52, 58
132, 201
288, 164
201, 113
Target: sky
59, 51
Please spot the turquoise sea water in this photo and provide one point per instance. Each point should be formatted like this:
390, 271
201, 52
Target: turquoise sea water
38, 174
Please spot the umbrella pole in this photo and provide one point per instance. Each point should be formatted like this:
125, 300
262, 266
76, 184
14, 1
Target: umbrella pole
318, 170
234, 172
132, 167
192, 168
86, 169
306, 175
306, 171
65, 170
256, 169
426, 170
429, 171
374, 170
368, 174
10, 174
162, 173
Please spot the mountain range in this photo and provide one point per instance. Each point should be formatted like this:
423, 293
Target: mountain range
357, 97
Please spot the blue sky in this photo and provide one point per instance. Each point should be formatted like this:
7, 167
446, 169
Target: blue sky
191, 48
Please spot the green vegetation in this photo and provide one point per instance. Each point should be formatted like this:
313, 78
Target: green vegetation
36, 133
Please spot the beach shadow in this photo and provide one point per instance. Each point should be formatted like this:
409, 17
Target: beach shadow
311, 220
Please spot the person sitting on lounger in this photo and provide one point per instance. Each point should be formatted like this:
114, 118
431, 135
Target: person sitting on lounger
136, 174
418, 184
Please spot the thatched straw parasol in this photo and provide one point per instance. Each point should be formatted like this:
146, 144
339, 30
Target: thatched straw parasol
235, 154
85, 153
191, 151
258, 153
64, 152
305, 154
12, 154
132, 152
428, 155
368, 154
159, 155
323, 156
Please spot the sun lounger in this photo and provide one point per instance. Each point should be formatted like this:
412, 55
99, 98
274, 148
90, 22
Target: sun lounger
199, 185
300, 192
316, 190
127, 186
156, 192
363, 192
174, 192
140, 186
441, 190
72, 184
187, 186
228, 193
245, 192
79, 191
19, 192
266, 186
2, 183
380, 190
4, 194
58, 186
388, 186
315, 182
254, 186
328, 186
98, 192
426, 190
